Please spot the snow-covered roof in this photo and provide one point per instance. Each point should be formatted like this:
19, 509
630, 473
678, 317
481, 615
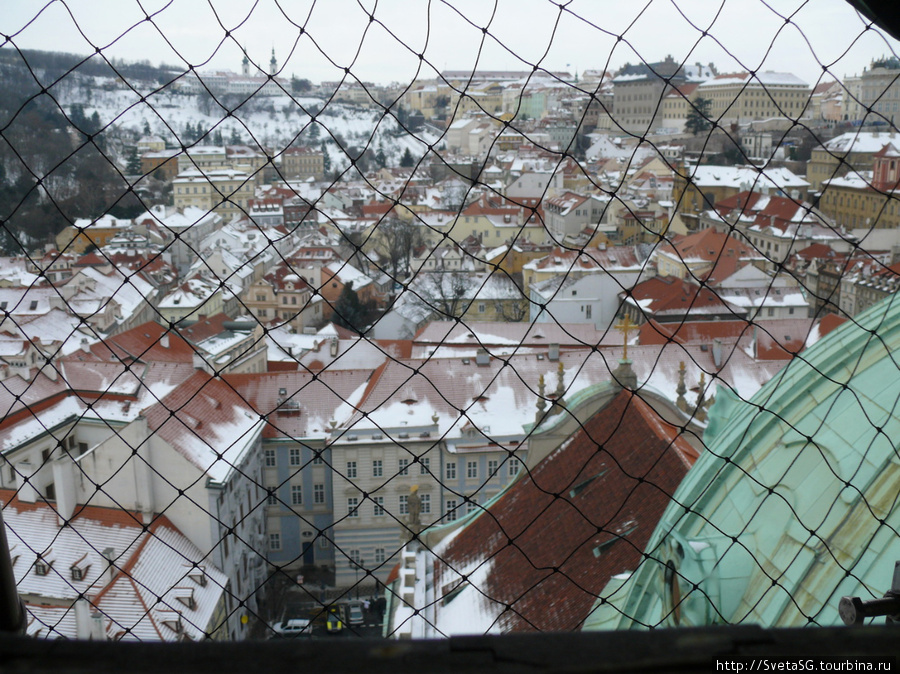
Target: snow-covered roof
153, 566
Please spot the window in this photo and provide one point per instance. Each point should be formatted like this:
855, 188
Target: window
404, 466
296, 494
270, 458
481, 308
77, 573
404, 504
351, 469
471, 505
353, 507
41, 567
294, 456
450, 509
471, 469
450, 470
271, 498
275, 541
318, 460
513, 466
378, 506
426, 503
493, 465
318, 494
379, 556
424, 466
377, 468
355, 556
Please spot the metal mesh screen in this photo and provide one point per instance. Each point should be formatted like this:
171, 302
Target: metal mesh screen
496, 348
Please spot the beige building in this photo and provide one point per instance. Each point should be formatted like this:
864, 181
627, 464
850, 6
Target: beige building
879, 92
676, 105
301, 163
742, 97
225, 191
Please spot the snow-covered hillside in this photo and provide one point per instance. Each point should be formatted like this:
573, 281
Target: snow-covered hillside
271, 122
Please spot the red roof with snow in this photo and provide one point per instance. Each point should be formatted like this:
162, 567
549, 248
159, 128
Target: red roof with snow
671, 298
556, 537
145, 343
725, 253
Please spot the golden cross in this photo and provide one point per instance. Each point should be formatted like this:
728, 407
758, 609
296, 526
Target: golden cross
625, 325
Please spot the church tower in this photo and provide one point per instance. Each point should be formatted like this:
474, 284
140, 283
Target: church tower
245, 66
273, 63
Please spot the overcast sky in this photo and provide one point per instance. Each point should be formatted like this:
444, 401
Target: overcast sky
318, 39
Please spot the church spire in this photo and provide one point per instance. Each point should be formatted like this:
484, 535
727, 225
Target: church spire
273, 63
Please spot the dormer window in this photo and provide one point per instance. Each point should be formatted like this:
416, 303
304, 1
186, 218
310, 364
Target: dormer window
174, 624
79, 568
185, 595
198, 575
42, 567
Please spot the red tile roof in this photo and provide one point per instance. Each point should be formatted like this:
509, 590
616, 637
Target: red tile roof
766, 211
145, 343
673, 298
724, 252
779, 339
556, 537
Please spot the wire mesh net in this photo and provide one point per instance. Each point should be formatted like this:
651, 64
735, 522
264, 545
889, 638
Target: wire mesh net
482, 351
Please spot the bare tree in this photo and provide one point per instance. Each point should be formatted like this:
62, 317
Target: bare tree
447, 292
395, 242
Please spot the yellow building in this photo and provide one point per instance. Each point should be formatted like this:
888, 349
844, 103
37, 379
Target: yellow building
223, 191
675, 105
79, 237
853, 150
869, 201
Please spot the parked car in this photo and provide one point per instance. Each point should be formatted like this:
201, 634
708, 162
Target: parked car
355, 614
295, 627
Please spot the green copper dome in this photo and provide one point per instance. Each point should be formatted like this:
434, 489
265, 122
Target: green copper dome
792, 505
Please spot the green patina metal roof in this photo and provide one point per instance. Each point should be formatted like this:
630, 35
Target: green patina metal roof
792, 505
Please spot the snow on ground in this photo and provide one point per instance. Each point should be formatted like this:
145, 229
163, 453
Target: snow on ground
270, 121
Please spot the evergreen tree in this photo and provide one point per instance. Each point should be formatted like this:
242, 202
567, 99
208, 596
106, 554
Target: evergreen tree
380, 159
147, 131
348, 310
133, 168
407, 160
698, 117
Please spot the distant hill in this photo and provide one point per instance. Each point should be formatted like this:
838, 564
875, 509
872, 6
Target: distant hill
68, 124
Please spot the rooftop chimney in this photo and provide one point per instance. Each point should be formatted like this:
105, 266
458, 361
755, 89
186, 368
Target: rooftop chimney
25, 490
553, 352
